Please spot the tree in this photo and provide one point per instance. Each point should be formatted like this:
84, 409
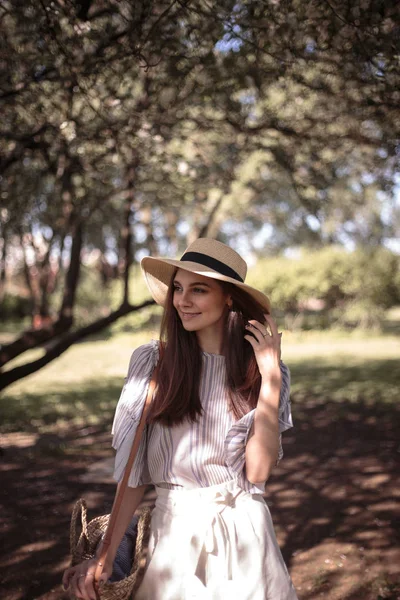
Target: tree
134, 125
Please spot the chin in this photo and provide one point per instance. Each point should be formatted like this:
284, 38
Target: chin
191, 326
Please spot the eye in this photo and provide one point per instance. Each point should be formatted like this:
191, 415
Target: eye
177, 287
199, 290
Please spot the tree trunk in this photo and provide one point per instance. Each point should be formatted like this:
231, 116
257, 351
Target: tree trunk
45, 283
72, 276
126, 237
30, 282
3, 258
147, 221
35, 337
172, 219
205, 229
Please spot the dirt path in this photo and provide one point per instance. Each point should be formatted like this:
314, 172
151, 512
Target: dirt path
334, 500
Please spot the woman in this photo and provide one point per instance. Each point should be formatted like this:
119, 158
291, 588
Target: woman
212, 439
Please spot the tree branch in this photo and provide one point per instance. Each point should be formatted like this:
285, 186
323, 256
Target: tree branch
60, 346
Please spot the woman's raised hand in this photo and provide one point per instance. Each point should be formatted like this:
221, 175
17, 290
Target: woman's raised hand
266, 342
79, 580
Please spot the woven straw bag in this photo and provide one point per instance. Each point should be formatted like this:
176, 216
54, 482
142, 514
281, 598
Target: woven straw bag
84, 546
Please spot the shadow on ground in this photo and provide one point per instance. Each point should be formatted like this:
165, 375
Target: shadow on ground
334, 497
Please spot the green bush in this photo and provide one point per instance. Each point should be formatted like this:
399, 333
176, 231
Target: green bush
319, 289
344, 288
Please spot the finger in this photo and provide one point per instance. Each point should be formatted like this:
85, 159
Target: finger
77, 584
272, 324
86, 587
90, 586
255, 334
80, 591
103, 579
68, 573
73, 587
257, 329
257, 325
252, 341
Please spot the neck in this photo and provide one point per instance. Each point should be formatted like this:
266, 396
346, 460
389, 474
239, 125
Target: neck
210, 340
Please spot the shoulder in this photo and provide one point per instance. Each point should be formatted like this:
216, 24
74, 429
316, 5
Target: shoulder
143, 359
146, 350
141, 366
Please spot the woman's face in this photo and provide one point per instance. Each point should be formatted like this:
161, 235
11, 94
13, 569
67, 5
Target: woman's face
200, 301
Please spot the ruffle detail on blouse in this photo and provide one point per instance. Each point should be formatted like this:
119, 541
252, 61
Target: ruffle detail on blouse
236, 439
128, 413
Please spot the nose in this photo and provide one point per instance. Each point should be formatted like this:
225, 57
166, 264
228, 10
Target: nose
184, 299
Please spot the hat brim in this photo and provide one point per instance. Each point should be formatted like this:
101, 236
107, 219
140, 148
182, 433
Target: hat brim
158, 273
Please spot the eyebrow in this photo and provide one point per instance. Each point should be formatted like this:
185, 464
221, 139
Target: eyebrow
194, 283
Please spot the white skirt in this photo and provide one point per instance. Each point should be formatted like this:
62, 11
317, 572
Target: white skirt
212, 544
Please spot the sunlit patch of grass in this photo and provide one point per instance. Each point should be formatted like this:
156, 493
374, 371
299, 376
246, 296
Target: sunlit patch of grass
84, 384
357, 344
87, 360
350, 367
343, 378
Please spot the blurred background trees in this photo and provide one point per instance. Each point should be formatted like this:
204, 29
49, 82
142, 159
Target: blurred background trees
132, 127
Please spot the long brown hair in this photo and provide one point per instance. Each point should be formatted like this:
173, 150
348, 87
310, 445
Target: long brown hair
179, 371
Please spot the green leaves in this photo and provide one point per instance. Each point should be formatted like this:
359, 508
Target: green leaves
350, 288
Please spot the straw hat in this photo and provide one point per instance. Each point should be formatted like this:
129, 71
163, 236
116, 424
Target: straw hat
206, 257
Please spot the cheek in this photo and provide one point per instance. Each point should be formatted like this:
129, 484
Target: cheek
175, 301
221, 310
218, 307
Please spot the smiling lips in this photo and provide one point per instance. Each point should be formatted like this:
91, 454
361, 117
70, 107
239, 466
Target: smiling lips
188, 316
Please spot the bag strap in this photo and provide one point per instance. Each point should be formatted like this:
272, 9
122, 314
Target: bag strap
124, 483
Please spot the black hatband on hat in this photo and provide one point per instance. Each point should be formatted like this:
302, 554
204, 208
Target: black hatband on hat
212, 263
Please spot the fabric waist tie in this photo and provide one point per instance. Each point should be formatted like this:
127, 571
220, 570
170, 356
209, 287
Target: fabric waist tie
202, 511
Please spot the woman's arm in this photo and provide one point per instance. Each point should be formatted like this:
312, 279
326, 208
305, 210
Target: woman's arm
131, 501
263, 442
79, 579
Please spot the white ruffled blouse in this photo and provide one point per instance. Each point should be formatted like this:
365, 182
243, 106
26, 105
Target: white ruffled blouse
190, 455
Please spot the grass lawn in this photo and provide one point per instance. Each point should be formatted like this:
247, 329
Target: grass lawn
83, 385
334, 497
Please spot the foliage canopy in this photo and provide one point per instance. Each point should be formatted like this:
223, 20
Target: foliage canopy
134, 126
